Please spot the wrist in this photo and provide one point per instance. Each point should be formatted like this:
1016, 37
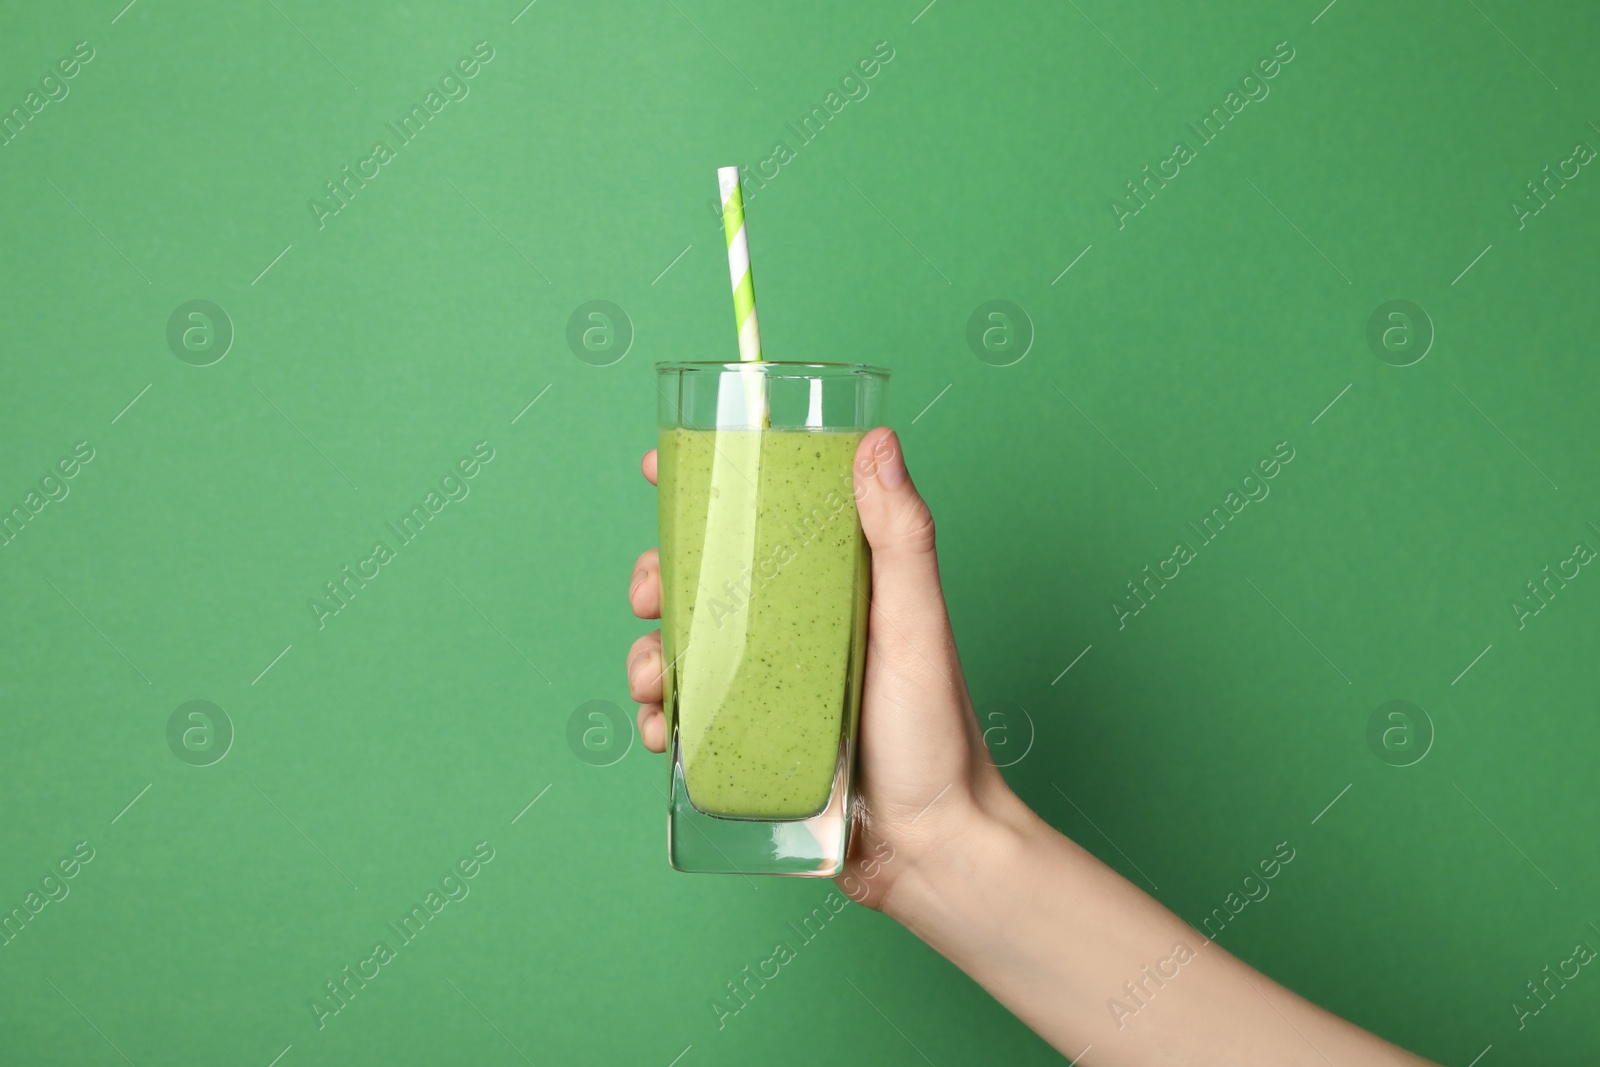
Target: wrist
989, 829
1023, 911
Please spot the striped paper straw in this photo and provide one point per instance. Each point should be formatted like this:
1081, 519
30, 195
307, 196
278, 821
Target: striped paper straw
744, 293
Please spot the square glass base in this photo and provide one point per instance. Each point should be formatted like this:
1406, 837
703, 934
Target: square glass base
813, 847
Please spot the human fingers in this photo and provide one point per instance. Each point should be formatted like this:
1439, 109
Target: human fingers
644, 591
905, 568
644, 669
653, 727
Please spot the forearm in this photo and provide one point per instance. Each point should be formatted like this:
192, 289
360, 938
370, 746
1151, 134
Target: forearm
1062, 940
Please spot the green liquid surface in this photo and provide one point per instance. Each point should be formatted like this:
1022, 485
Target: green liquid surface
764, 581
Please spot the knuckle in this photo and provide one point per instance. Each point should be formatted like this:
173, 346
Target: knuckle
917, 528
638, 654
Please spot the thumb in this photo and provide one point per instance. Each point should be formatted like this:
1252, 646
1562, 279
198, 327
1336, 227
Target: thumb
899, 527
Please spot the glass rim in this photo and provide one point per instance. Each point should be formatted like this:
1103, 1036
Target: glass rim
774, 368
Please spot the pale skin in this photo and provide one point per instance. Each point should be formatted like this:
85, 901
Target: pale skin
944, 846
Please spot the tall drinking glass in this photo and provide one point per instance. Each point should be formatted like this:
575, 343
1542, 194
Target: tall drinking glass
764, 582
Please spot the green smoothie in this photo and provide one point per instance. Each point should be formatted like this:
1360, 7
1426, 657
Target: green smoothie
764, 577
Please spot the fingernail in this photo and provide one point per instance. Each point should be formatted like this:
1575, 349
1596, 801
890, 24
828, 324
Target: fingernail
891, 464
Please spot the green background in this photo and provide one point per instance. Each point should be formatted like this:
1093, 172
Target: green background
369, 755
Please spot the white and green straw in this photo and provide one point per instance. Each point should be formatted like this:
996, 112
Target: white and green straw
744, 295
744, 292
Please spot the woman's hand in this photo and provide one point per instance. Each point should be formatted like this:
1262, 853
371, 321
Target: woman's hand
925, 775
944, 847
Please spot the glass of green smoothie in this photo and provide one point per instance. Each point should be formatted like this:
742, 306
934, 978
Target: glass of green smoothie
764, 579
